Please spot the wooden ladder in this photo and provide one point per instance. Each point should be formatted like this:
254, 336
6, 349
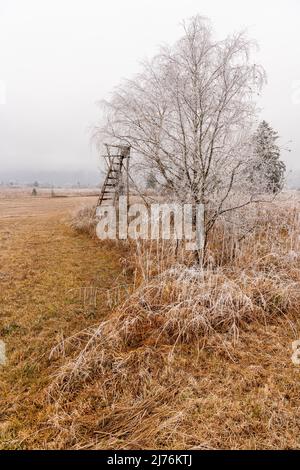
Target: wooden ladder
117, 165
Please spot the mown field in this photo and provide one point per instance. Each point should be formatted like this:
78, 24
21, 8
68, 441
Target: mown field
139, 384
44, 269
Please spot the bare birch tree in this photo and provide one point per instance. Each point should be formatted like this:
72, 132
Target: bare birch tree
189, 118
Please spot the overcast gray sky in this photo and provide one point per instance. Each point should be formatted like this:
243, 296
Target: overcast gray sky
58, 57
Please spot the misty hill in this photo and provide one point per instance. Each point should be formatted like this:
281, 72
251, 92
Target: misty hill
83, 178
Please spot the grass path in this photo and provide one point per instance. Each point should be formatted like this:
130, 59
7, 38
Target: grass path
44, 267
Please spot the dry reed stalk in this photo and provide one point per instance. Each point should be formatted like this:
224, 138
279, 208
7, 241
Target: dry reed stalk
132, 360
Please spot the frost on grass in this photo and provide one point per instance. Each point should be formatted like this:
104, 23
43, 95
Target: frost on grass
137, 361
175, 304
84, 221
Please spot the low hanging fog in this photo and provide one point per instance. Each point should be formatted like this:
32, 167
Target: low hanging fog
57, 59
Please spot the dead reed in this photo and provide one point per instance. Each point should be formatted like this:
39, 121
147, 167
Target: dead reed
131, 379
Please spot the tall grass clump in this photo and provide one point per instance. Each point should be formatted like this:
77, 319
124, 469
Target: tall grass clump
84, 221
138, 362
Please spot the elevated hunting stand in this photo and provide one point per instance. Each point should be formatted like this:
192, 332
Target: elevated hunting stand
116, 182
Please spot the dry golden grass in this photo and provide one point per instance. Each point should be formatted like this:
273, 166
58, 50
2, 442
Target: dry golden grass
48, 279
191, 358
21, 193
173, 357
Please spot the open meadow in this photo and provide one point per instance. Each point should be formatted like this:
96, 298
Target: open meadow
106, 350
44, 269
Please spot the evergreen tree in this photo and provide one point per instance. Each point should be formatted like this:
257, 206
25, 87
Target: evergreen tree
269, 169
